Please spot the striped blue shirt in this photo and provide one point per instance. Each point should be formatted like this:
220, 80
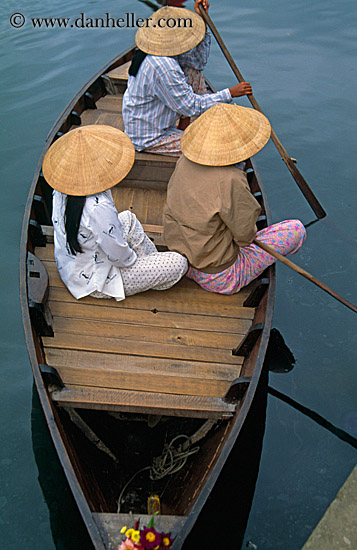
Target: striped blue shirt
159, 94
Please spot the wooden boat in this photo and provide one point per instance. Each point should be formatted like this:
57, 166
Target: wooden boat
125, 386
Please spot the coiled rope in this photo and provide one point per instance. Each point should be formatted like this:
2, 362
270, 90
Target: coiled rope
172, 459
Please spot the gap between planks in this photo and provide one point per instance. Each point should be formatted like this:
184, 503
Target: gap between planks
156, 305
146, 333
103, 344
105, 312
146, 381
133, 363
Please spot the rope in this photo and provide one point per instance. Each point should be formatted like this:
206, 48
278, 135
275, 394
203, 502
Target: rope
172, 459
126, 485
170, 462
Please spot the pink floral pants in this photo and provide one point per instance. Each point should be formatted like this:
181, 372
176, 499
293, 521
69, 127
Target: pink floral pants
170, 145
286, 237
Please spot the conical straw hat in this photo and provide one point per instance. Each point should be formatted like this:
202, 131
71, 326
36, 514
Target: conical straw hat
88, 160
170, 31
225, 134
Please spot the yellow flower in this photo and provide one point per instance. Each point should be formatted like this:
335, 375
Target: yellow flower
129, 533
150, 536
135, 537
123, 529
166, 541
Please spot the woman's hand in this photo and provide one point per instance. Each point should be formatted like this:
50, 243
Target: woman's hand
244, 88
205, 5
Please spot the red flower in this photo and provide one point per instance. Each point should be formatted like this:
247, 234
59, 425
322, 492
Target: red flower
149, 538
166, 541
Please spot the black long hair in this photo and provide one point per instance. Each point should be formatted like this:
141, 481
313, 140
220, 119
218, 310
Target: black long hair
137, 60
72, 219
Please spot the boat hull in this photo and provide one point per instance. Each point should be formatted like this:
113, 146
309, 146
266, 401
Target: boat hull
94, 503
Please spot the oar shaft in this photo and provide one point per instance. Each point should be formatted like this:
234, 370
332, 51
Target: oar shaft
304, 273
300, 180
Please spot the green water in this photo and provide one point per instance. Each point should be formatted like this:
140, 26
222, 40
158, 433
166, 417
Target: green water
300, 58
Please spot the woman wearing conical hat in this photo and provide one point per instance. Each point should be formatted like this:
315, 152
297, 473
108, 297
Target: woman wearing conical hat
173, 48
98, 251
211, 213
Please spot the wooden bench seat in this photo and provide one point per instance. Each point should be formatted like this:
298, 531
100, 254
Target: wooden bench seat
98, 116
143, 402
109, 111
116, 80
120, 73
147, 205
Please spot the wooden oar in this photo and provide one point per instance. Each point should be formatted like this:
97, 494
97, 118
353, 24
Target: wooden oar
305, 274
300, 180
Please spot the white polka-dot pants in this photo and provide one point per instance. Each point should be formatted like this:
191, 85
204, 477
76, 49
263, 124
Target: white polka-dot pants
152, 269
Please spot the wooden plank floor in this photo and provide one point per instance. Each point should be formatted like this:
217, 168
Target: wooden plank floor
157, 351
162, 352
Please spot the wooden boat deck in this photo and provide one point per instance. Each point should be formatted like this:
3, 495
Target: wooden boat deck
167, 352
162, 352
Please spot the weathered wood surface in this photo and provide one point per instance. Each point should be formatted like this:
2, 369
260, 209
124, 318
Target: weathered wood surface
154, 301
136, 364
37, 280
147, 204
166, 349
99, 116
108, 312
175, 345
131, 401
121, 72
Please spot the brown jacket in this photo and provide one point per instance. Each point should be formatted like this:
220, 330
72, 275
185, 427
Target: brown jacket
210, 212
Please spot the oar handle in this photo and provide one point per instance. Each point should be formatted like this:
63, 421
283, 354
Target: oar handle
304, 273
300, 180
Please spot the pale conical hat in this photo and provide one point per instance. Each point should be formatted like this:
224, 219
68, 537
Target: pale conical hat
225, 134
170, 31
88, 160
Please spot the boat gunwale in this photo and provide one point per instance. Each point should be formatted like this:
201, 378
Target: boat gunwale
49, 408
